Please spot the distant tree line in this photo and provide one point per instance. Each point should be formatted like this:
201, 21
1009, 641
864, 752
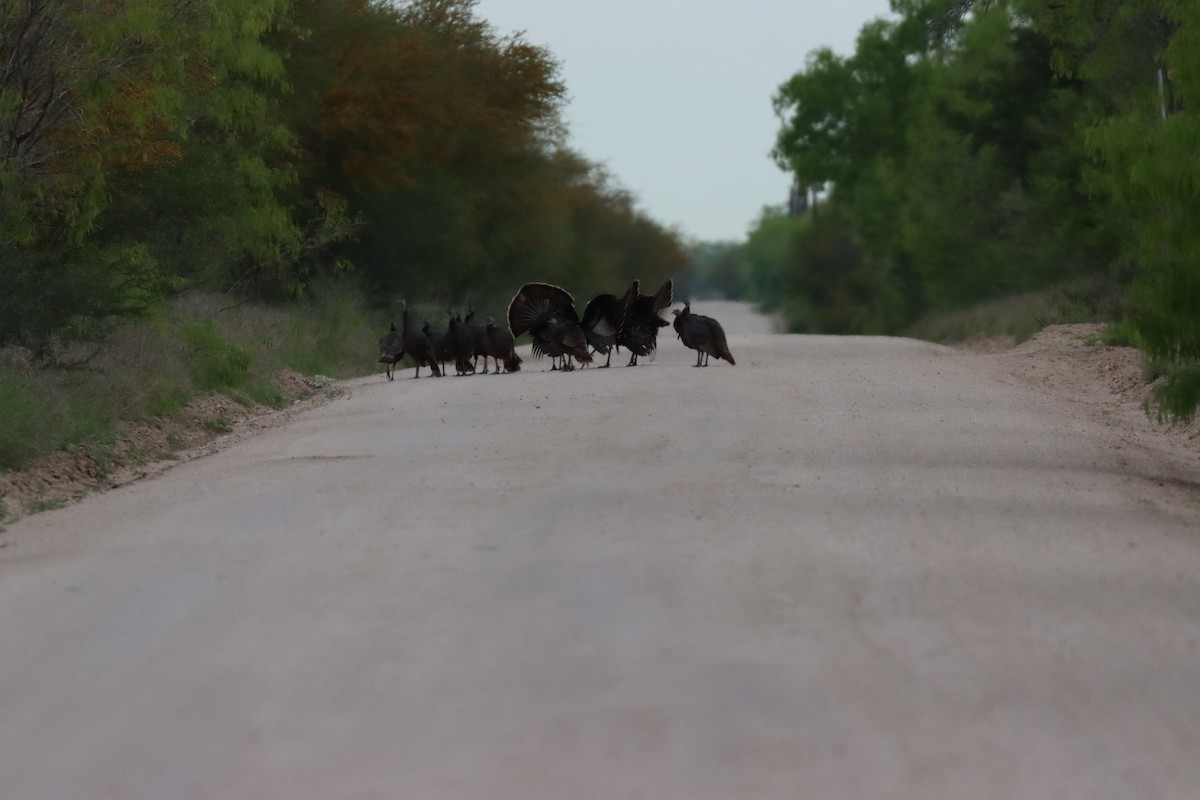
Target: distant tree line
968, 150
256, 147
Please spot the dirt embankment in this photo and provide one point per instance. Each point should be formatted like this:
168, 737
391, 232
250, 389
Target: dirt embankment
1113, 384
150, 446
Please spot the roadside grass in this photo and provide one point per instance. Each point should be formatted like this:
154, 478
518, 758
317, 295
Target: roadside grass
218, 425
1120, 334
46, 504
42, 414
152, 369
1021, 316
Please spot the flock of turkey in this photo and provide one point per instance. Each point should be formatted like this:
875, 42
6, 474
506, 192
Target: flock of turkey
547, 313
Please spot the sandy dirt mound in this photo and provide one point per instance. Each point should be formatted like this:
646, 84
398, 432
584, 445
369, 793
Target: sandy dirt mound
1113, 385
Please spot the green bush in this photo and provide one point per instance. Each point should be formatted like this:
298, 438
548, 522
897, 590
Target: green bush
40, 418
213, 362
163, 397
1178, 397
1120, 334
84, 421
19, 408
153, 367
64, 294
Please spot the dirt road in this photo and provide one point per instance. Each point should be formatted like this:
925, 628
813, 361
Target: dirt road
844, 568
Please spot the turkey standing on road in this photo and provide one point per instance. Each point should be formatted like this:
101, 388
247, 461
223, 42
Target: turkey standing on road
417, 345
462, 346
500, 347
568, 340
391, 350
441, 351
639, 320
601, 319
702, 334
479, 335
547, 313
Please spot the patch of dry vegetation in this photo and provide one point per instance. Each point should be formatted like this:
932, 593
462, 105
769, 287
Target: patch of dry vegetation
147, 446
1001, 323
94, 416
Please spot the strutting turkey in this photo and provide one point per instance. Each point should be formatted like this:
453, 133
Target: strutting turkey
639, 320
500, 347
702, 334
417, 345
391, 350
547, 313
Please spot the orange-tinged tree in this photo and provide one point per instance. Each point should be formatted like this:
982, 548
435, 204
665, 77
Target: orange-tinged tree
445, 138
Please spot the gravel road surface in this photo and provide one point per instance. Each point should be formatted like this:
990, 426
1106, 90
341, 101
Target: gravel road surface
845, 569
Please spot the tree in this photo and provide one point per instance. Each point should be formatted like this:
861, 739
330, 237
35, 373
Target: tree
234, 145
1145, 57
100, 108
951, 152
445, 139
841, 114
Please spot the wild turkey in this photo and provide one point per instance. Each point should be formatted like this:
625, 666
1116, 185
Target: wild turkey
441, 351
547, 313
500, 347
568, 341
702, 334
462, 346
600, 322
639, 320
479, 335
391, 350
417, 345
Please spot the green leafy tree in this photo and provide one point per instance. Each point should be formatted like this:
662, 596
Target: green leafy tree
840, 114
1145, 145
951, 153
131, 133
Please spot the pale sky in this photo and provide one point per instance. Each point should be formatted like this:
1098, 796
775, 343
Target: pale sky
674, 96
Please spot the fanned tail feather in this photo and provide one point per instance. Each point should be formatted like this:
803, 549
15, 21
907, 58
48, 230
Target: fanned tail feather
535, 304
662, 298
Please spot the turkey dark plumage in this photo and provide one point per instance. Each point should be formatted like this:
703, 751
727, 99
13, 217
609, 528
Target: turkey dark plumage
461, 342
391, 350
417, 345
441, 351
547, 313
639, 321
702, 334
601, 320
479, 336
500, 347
